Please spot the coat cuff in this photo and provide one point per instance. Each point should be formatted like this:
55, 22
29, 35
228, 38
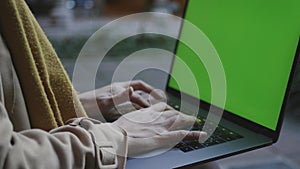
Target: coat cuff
110, 143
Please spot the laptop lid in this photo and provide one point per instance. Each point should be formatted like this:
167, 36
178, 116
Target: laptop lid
256, 42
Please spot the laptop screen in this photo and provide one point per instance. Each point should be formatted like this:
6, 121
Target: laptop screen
256, 41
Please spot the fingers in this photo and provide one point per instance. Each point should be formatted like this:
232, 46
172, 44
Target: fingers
191, 135
183, 121
139, 100
138, 97
121, 97
177, 120
140, 85
129, 95
160, 107
144, 99
138, 146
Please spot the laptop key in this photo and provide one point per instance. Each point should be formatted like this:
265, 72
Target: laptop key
219, 134
180, 144
218, 140
196, 145
186, 148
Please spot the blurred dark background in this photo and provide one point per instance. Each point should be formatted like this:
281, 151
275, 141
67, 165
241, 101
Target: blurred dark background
69, 23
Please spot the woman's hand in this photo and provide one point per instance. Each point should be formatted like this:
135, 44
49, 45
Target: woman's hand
158, 126
118, 98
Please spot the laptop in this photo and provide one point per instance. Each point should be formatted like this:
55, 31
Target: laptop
258, 44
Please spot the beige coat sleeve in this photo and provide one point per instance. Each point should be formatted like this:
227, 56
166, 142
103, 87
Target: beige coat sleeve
81, 144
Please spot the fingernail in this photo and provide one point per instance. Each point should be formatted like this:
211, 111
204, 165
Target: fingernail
159, 94
168, 108
203, 134
162, 94
131, 89
147, 104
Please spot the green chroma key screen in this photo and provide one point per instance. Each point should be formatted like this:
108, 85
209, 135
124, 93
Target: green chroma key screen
256, 41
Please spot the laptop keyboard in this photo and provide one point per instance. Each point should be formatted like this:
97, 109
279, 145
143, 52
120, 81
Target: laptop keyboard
220, 135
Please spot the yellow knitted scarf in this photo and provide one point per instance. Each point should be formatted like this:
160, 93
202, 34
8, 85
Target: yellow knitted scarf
48, 93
